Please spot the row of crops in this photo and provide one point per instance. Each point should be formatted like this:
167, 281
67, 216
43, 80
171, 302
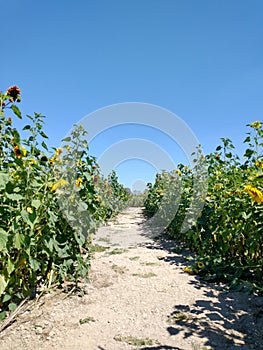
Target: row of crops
227, 235
51, 201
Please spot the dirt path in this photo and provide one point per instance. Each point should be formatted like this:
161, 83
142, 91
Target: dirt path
139, 298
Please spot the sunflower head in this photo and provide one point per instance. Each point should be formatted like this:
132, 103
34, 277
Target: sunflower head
78, 182
59, 151
19, 151
44, 159
14, 93
200, 265
254, 193
58, 184
256, 125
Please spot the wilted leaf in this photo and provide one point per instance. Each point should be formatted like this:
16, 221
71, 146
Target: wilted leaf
3, 284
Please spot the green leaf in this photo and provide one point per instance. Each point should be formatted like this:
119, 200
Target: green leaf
6, 297
16, 135
228, 155
66, 139
27, 127
248, 153
44, 145
10, 266
32, 217
34, 264
12, 307
43, 135
29, 117
4, 178
2, 315
247, 139
16, 110
36, 203
17, 189
258, 178
39, 126
24, 215
87, 176
3, 284
18, 240
246, 216
14, 196
3, 239
49, 244
27, 242
82, 206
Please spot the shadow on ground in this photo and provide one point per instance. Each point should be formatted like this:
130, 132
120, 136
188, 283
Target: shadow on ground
164, 347
234, 322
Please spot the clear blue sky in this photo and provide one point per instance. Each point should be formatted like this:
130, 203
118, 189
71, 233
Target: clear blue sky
202, 60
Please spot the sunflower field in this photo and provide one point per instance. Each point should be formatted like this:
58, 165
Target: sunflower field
227, 235
51, 202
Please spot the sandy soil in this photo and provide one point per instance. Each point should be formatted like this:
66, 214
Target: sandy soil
138, 298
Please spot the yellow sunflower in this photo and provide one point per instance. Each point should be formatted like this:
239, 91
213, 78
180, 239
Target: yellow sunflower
20, 151
256, 125
254, 193
58, 184
78, 182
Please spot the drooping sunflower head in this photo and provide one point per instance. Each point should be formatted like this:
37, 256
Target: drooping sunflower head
44, 158
14, 93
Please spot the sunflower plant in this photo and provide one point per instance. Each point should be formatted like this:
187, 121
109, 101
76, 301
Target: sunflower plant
228, 234
48, 206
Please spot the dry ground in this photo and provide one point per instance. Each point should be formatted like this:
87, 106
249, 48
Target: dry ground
138, 298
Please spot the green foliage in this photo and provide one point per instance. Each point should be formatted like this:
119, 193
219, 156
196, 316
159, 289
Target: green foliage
49, 205
228, 234
119, 195
137, 200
